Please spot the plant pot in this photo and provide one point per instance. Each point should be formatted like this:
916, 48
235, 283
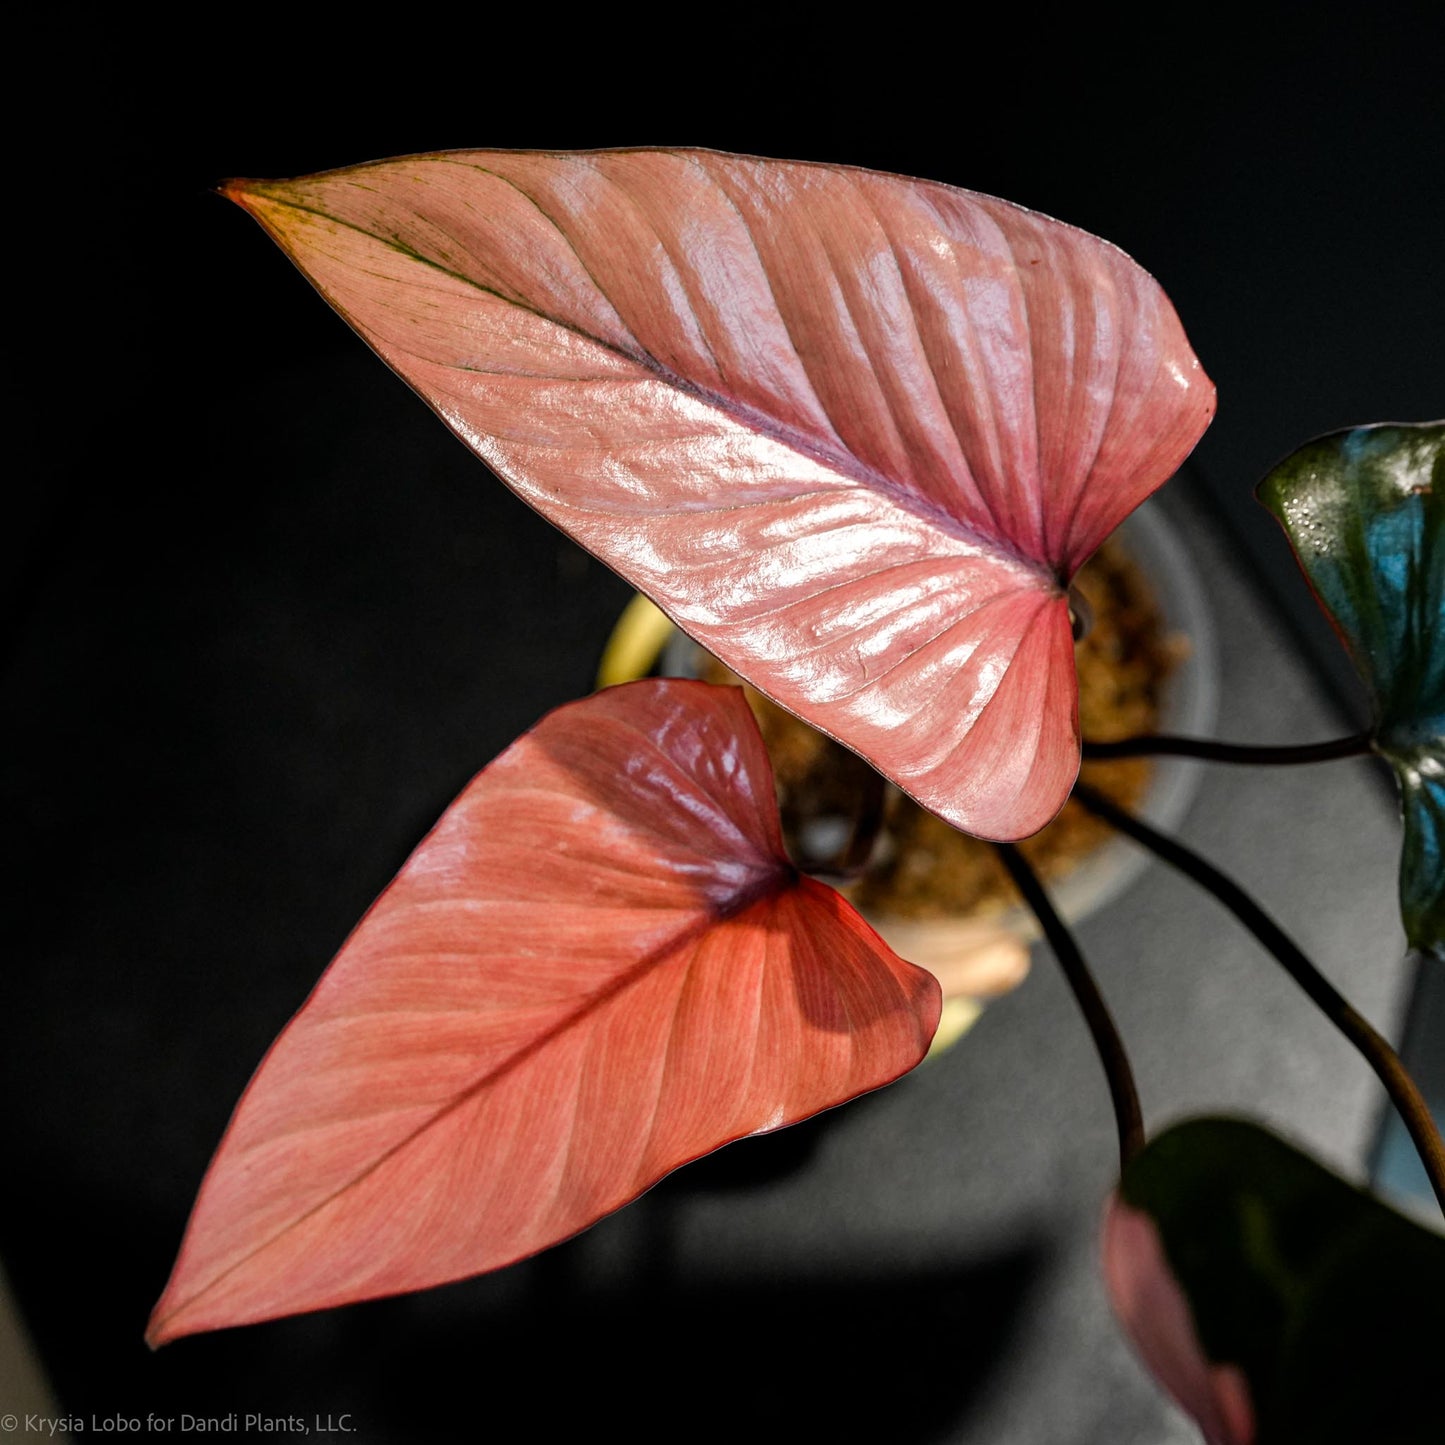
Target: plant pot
942, 900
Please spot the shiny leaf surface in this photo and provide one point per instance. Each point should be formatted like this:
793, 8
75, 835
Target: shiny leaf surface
853, 432
598, 966
1365, 513
1274, 1301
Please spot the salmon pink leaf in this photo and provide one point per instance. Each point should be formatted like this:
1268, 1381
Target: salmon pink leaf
1274, 1301
1364, 511
597, 967
854, 433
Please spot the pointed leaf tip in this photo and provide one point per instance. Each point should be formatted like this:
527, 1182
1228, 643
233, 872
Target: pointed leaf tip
237, 189
598, 966
852, 432
1364, 511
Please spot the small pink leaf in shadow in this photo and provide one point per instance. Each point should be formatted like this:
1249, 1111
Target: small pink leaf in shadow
853, 432
598, 966
1155, 1312
1274, 1300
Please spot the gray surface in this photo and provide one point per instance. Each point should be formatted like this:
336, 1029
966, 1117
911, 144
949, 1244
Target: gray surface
1008, 1142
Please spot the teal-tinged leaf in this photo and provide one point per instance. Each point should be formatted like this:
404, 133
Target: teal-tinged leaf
1275, 1301
1365, 513
1422, 861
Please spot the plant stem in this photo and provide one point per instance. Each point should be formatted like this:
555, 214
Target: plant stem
1376, 1049
1149, 744
1107, 1043
867, 822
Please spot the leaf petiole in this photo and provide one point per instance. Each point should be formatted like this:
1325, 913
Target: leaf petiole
1102, 1028
1158, 744
1376, 1049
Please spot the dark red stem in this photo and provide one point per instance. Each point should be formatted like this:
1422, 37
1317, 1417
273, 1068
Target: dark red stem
1105, 1033
1153, 745
1375, 1048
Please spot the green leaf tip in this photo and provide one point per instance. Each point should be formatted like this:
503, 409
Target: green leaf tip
1364, 510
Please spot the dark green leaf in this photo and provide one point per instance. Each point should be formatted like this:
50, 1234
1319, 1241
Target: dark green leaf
1331, 1304
1365, 513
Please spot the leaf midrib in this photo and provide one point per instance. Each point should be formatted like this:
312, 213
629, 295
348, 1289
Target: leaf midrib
760, 891
841, 461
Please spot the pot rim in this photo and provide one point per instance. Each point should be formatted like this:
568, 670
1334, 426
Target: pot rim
644, 637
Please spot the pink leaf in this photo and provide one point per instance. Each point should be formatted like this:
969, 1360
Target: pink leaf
598, 966
853, 432
1154, 1310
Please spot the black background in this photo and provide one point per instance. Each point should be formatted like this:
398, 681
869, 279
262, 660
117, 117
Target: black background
263, 617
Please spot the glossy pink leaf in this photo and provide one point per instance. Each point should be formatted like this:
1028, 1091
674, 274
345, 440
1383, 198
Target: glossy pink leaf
597, 967
853, 432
